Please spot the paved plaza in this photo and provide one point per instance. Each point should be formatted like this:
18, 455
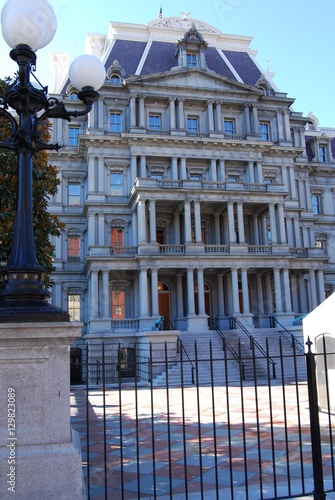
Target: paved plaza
199, 442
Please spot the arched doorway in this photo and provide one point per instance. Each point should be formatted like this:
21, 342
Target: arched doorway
164, 303
207, 299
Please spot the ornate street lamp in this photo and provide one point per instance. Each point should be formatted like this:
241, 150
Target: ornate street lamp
28, 25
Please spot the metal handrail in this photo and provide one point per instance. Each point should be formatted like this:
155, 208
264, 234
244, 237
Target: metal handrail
254, 343
294, 339
226, 343
180, 343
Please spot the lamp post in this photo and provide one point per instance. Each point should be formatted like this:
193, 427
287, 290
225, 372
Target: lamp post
28, 25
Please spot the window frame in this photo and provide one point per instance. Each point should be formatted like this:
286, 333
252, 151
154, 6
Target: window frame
115, 126
74, 311
152, 125
72, 196
322, 153
192, 59
114, 190
191, 130
73, 251
316, 204
264, 134
226, 131
73, 135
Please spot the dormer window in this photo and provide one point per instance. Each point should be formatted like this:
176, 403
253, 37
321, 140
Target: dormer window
191, 50
115, 73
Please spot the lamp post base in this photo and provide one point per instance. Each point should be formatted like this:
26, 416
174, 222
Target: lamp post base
30, 310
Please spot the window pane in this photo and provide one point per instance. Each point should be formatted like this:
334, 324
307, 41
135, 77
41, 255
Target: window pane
264, 131
118, 304
322, 154
73, 306
116, 180
74, 194
192, 125
228, 127
315, 204
73, 136
115, 79
154, 122
191, 59
115, 122
73, 247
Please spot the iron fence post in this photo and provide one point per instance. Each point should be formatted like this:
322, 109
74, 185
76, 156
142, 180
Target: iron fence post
319, 493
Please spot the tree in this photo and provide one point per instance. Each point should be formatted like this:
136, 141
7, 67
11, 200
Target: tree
45, 185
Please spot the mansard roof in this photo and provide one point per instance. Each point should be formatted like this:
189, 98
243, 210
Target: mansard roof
154, 56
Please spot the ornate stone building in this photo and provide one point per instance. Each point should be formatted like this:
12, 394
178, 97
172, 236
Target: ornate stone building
193, 189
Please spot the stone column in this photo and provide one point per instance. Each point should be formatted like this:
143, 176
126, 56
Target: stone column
255, 230
217, 232
94, 292
201, 292
321, 286
143, 298
187, 222
172, 105
280, 126
141, 112
132, 106
273, 225
231, 223
154, 292
133, 168
259, 168
143, 167
91, 229
197, 222
190, 293
91, 175
141, 222
174, 163
287, 290
152, 215
246, 115
245, 291
268, 295
259, 291
213, 170
282, 229
181, 118
240, 222
210, 116
312, 290
218, 115
251, 175
219, 284
293, 186
235, 293
180, 300
101, 230
105, 295
222, 171
176, 228
35, 378
183, 174
255, 124
278, 292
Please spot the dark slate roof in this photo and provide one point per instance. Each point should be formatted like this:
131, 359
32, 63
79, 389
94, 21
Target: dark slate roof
244, 65
128, 53
216, 63
161, 57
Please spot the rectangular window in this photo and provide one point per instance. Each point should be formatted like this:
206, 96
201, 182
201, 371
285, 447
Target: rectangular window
322, 154
316, 204
116, 181
192, 125
155, 122
115, 122
229, 127
195, 177
73, 136
73, 248
232, 179
74, 195
118, 304
191, 59
73, 306
264, 131
117, 237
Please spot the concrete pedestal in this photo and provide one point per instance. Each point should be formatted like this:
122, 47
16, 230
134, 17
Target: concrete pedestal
39, 454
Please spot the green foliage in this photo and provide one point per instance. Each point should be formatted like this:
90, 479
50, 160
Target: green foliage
45, 185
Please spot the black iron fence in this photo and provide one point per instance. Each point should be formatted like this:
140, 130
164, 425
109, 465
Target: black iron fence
216, 436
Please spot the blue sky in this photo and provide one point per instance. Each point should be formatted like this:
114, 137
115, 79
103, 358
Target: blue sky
295, 37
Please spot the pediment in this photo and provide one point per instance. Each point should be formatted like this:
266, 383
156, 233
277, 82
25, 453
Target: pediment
193, 78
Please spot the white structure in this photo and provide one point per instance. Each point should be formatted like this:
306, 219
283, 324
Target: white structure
192, 190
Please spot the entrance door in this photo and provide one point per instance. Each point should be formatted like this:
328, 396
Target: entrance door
75, 366
164, 304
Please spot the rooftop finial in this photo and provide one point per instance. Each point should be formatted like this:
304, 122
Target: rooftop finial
185, 15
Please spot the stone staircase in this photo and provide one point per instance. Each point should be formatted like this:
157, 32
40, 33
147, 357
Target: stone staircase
201, 359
